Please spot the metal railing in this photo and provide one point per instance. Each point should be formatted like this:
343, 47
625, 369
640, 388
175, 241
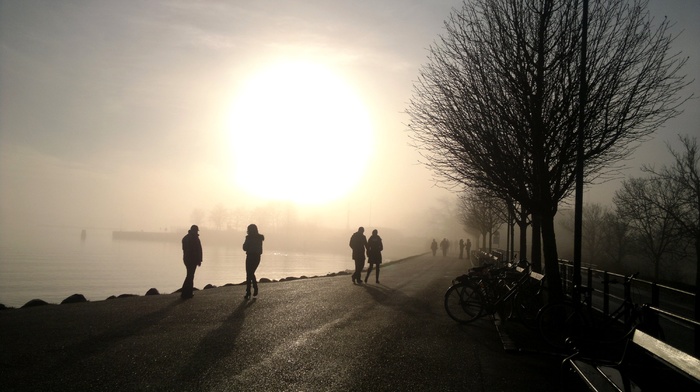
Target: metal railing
675, 307
670, 299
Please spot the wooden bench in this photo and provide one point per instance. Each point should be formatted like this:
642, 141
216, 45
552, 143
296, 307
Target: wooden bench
647, 364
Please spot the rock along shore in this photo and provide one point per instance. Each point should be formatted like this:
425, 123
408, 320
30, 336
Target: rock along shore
77, 298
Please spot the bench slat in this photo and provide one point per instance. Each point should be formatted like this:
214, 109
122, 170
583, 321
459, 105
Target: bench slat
685, 363
595, 379
635, 373
620, 380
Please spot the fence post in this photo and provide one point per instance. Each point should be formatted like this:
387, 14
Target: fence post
589, 280
589, 283
655, 300
628, 306
606, 293
562, 269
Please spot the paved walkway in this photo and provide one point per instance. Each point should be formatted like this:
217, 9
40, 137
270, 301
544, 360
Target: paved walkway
322, 334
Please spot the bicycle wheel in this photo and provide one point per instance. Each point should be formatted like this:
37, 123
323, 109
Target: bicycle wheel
526, 305
560, 321
463, 303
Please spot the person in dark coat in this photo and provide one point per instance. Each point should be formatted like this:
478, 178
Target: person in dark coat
253, 247
469, 249
374, 253
434, 246
461, 248
444, 245
358, 244
192, 257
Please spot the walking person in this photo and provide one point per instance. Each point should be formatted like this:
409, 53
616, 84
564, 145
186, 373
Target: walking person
192, 257
253, 247
469, 248
434, 246
374, 253
444, 245
461, 248
358, 244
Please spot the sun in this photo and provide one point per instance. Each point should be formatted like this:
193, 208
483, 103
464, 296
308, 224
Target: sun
299, 133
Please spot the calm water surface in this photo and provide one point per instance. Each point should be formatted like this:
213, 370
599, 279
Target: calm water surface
54, 263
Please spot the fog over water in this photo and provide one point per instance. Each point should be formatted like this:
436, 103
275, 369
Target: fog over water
59, 264
130, 116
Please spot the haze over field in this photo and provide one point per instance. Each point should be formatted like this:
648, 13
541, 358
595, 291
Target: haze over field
134, 114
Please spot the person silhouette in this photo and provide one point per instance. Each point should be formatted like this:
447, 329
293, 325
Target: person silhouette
461, 248
444, 245
469, 248
374, 253
253, 247
434, 246
192, 257
358, 244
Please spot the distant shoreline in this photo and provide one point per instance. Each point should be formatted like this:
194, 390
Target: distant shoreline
146, 236
80, 298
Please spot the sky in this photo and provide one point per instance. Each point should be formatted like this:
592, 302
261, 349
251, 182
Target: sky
125, 114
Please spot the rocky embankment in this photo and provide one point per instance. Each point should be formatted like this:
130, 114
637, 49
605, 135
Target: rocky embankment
76, 298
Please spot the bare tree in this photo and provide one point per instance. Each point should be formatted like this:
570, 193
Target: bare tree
678, 195
523, 220
616, 238
445, 218
239, 219
219, 216
593, 230
483, 213
496, 106
652, 225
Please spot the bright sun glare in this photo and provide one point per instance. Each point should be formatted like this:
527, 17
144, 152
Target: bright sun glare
299, 133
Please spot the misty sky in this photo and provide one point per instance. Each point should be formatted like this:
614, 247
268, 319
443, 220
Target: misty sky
117, 113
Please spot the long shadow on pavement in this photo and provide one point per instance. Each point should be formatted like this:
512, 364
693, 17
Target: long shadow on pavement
103, 341
216, 346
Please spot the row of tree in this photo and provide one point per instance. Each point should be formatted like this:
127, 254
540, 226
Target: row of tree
517, 93
271, 216
655, 219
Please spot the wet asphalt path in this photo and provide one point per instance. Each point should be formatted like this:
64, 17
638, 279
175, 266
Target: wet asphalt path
323, 334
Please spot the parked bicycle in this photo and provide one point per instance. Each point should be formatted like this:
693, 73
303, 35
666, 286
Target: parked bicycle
486, 290
562, 322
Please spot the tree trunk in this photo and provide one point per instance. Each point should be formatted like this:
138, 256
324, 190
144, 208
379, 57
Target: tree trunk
536, 255
657, 263
512, 241
523, 236
551, 258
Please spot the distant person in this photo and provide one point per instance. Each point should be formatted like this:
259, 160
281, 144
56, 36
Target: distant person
192, 257
461, 248
253, 247
434, 247
469, 249
358, 244
374, 253
444, 245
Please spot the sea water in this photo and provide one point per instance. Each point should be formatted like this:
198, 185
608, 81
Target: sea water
53, 263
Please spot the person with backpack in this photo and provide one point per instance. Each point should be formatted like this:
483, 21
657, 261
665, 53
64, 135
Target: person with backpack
374, 253
253, 246
192, 257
